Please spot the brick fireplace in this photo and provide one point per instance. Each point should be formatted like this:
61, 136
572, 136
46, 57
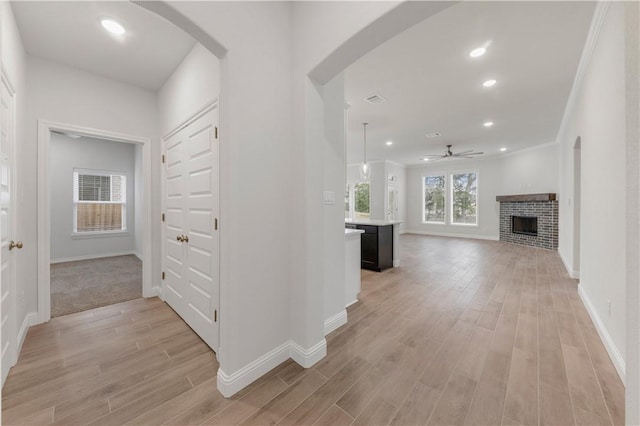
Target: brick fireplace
529, 219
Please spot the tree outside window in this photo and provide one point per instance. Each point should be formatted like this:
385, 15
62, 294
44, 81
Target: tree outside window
434, 199
464, 198
361, 199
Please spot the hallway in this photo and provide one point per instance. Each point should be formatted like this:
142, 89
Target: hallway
465, 332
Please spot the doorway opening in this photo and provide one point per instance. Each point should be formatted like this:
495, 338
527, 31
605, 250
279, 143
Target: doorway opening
577, 154
94, 215
96, 222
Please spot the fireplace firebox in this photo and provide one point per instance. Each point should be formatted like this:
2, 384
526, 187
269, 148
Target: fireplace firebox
525, 225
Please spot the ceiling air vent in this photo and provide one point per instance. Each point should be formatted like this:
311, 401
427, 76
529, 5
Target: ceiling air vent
433, 135
374, 99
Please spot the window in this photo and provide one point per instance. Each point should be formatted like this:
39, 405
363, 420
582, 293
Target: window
464, 191
434, 199
361, 199
356, 200
450, 198
99, 201
347, 208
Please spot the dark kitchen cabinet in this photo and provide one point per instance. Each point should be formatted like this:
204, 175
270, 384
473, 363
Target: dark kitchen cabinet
376, 247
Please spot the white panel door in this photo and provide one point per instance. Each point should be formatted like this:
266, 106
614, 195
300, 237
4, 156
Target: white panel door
7, 269
191, 246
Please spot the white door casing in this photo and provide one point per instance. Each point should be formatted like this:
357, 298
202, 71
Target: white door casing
191, 205
44, 207
8, 305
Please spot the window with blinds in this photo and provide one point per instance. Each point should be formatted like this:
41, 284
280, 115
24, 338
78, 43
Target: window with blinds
99, 201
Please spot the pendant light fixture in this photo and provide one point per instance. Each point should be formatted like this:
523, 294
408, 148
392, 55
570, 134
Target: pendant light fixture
365, 171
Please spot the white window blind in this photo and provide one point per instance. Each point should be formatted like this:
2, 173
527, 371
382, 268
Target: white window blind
99, 201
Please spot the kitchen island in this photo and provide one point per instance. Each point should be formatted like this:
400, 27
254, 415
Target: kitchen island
379, 242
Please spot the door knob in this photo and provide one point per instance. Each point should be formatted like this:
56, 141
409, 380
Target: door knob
17, 245
185, 239
179, 238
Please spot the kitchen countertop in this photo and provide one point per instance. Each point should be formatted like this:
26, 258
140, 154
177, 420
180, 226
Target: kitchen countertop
352, 232
376, 222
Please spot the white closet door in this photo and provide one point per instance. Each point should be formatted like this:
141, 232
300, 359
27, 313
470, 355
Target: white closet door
7, 269
191, 284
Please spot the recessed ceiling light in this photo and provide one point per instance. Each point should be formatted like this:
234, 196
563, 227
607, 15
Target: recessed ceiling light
503, 149
112, 26
433, 134
388, 143
488, 123
489, 83
475, 53
425, 159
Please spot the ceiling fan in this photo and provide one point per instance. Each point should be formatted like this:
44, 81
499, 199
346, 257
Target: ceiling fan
449, 154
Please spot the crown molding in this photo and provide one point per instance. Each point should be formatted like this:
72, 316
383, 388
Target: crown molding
592, 37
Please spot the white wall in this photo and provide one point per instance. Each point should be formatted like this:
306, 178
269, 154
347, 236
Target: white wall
378, 190
597, 116
68, 154
632, 154
193, 84
65, 95
255, 149
400, 173
529, 171
334, 177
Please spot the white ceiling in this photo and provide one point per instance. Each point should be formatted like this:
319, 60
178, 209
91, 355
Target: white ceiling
432, 85
70, 33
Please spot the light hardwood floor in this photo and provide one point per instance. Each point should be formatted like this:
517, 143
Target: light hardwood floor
465, 332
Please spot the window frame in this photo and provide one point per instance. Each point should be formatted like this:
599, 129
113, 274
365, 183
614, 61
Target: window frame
76, 195
448, 202
450, 193
444, 219
352, 198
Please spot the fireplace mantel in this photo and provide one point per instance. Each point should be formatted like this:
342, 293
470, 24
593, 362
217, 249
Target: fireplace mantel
526, 198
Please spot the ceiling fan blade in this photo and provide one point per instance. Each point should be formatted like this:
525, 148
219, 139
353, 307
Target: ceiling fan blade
475, 153
433, 156
463, 152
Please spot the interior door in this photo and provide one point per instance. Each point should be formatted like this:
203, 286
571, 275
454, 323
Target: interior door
7, 269
191, 260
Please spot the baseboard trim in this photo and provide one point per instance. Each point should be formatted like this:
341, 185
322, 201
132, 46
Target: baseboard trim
230, 384
607, 340
335, 322
30, 319
155, 292
138, 255
352, 303
573, 274
92, 256
308, 357
448, 234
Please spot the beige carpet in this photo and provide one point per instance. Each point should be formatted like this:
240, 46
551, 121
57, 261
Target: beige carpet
86, 284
